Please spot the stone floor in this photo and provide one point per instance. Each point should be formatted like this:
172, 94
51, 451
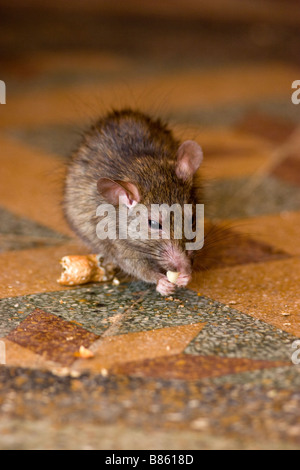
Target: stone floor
209, 368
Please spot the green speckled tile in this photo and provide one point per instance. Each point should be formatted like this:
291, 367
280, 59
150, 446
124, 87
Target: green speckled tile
54, 139
277, 378
243, 197
19, 233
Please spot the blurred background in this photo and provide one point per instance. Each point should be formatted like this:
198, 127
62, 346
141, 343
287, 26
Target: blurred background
169, 30
145, 54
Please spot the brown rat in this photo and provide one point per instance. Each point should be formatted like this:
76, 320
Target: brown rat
131, 156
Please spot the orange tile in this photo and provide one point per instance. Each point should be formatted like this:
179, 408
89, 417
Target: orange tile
18, 356
31, 184
32, 271
280, 231
135, 346
266, 291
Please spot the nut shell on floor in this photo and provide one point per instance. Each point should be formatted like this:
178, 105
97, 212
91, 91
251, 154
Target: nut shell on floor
79, 270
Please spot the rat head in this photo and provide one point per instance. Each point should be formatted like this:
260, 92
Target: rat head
154, 194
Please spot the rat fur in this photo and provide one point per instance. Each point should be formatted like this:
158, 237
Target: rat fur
128, 155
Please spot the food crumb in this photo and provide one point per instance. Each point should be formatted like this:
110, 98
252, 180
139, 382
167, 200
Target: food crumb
84, 353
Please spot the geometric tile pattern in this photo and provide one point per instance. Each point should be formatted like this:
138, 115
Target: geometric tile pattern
127, 309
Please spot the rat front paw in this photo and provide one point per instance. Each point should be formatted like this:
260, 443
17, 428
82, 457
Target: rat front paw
165, 287
183, 280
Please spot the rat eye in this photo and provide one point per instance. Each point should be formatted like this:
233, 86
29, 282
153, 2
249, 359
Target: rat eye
154, 225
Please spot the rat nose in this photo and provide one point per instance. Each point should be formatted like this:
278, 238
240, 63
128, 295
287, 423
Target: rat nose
184, 268
179, 262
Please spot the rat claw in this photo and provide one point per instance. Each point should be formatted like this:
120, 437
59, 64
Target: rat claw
165, 287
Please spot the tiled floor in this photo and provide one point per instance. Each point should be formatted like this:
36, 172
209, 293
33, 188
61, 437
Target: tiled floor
210, 367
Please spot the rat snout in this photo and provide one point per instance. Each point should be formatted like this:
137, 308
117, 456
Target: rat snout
176, 259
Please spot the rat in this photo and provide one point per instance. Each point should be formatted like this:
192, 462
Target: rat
131, 158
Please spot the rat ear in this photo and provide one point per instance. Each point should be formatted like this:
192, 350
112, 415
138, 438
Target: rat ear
118, 191
189, 158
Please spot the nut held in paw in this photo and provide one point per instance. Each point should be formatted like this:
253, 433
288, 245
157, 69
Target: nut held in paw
172, 276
